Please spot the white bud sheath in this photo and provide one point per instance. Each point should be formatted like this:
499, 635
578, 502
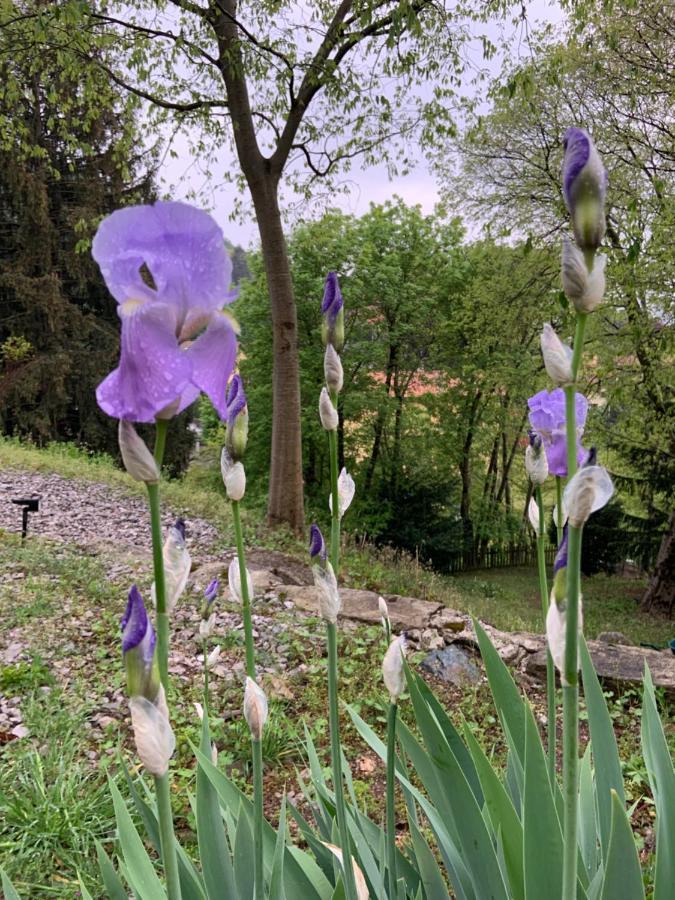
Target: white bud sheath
234, 582
177, 564
206, 626
153, 736
557, 357
564, 514
346, 490
533, 514
200, 711
392, 668
138, 460
327, 412
213, 657
235, 482
556, 624
589, 490
536, 465
359, 879
329, 595
383, 608
255, 708
214, 754
332, 369
585, 289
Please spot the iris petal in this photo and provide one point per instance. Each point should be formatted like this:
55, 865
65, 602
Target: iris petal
212, 358
152, 371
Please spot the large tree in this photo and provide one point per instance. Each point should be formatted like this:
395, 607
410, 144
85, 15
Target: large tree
299, 90
614, 77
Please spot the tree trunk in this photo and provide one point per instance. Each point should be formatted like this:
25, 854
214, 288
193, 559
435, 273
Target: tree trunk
465, 471
285, 502
660, 595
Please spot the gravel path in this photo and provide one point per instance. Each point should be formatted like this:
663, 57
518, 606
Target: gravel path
88, 513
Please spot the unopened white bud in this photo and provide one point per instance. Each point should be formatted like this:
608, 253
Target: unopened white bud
154, 739
200, 711
556, 632
138, 460
206, 626
213, 657
332, 369
589, 490
346, 489
585, 289
177, 564
235, 482
557, 357
327, 412
255, 708
234, 582
536, 463
533, 514
383, 608
329, 595
392, 668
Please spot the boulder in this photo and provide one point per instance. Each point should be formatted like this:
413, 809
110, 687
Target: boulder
404, 612
452, 664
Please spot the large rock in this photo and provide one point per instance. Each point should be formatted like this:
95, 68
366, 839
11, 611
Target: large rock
404, 612
453, 665
618, 664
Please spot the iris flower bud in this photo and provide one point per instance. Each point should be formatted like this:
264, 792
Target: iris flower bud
327, 588
208, 617
234, 476
255, 708
383, 608
556, 628
584, 188
317, 545
536, 463
138, 460
346, 489
138, 649
177, 564
154, 739
533, 514
236, 434
589, 490
392, 668
332, 369
327, 412
557, 357
234, 581
585, 289
333, 327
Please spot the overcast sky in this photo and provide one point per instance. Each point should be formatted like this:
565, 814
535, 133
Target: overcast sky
363, 186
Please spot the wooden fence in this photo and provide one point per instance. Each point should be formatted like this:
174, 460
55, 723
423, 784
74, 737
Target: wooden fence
498, 558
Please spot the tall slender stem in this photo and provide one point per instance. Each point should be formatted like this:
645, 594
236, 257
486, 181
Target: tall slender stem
166, 837
391, 797
570, 391
160, 587
258, 820
550, 669
336, 759
559, 519
206, 677
335, 514
245, 599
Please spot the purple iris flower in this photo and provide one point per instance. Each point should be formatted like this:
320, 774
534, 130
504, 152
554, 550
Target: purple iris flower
168, 269
560, 561
584, 187
547, 418
317, 545
211, 591
138, 648
332, 298
235, 399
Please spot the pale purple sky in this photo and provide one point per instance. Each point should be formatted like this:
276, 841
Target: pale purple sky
179, 176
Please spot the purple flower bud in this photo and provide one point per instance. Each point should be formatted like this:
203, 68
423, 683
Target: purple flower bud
317, 545
138, 648
235, 399
584, 188
211, 591
561, 556
237, 419
333, 329
179, 525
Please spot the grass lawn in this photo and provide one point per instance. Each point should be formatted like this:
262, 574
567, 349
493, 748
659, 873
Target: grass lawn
61, 605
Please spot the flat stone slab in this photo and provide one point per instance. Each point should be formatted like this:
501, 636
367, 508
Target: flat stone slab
404, 612
620, 664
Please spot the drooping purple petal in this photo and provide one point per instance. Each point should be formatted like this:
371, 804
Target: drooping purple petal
561, 556
212, 356
547, 418
182, 248
317, 545
332, 297
236, 399
152, 371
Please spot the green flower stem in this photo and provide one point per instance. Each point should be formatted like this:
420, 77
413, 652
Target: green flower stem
166, 836
259, 872
336, 760
559, 508
391, 787
550, 668
570, 391
335, 515
245, 599
570, 775
205, 648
